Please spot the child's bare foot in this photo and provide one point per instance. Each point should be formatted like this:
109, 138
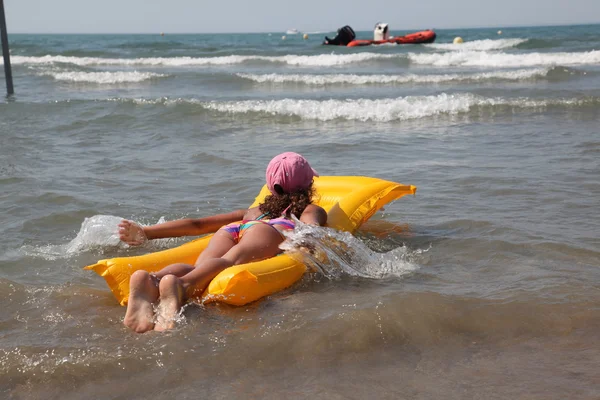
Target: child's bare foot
171, 301
142, 293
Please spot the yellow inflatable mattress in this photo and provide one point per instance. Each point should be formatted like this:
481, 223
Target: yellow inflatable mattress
349, 202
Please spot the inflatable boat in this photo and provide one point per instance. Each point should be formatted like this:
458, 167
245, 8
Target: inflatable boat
381, 35
349, 201
427, 36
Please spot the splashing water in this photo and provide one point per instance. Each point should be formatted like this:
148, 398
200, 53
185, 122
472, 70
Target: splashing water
98, 232
334, 254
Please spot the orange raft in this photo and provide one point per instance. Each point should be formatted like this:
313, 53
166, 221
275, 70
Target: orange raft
427, 36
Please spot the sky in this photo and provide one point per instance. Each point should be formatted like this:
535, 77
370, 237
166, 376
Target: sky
218, 16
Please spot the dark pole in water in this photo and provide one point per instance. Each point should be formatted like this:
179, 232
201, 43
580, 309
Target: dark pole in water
4, 37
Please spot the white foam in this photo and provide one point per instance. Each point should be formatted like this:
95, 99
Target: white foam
478, 45
330, 60
381, 110
323, 60
493, 59
150, 62
353, 79
451, 58
103, 78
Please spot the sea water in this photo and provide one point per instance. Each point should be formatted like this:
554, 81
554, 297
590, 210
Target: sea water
485, 284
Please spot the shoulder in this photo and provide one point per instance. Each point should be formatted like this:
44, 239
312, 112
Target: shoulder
313, 208
314, 214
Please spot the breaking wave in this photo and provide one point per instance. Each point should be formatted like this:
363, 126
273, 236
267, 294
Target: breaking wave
384, 110
493, 59
103, 78
354, 79
479, 45
321, 60
464, 57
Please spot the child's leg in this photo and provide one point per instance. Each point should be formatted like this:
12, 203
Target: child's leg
142, 294
259, 242
172, 292
144, 287
221, 242
178, 269
218, 246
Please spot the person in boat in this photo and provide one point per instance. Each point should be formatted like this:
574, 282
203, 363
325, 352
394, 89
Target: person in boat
242, 236
344, 36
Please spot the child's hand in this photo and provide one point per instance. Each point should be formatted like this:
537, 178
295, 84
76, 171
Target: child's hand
132, 233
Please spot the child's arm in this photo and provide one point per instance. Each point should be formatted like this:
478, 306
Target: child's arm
135, 234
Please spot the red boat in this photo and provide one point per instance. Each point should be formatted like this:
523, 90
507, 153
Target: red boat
347, 37
427, 36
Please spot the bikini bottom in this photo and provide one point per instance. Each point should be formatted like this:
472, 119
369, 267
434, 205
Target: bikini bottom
237, 229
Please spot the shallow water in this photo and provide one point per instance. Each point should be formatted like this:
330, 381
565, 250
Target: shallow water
485, 284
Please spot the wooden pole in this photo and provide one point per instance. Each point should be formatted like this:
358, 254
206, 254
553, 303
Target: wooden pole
4, 38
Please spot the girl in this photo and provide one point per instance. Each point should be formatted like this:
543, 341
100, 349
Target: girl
258, 236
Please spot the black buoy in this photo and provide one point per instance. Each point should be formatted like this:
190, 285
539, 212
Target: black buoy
5, 52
